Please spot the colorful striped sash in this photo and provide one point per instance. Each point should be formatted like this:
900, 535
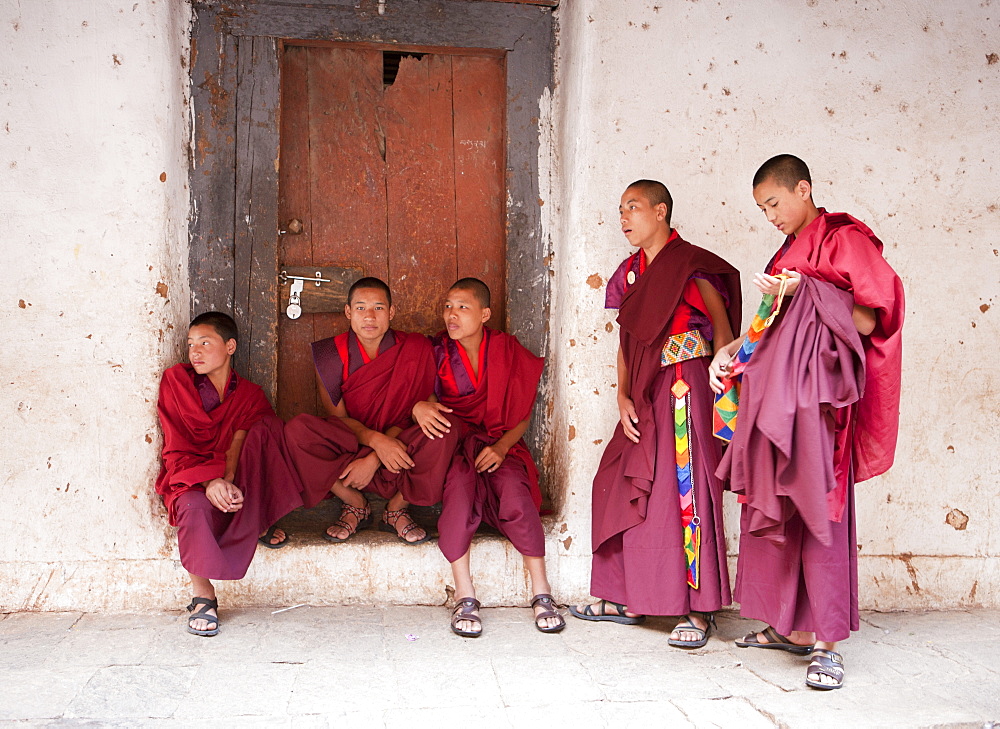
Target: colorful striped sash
727, 404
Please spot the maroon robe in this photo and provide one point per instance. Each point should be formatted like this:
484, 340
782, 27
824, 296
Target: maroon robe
196, 435
508, 499
796, 572
636, 529
380, 394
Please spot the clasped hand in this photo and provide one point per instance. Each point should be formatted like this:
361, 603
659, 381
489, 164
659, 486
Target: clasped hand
224, 495
490, 458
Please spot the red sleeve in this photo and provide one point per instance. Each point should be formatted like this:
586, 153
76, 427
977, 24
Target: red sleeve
195, 442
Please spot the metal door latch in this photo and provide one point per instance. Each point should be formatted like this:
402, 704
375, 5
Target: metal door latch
318, 278
294, 308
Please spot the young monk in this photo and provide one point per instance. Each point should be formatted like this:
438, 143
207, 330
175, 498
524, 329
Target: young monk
486, 382
658, 538
369, 379
818, 412
225, 476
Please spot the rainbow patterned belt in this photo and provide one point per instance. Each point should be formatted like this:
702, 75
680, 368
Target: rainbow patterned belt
677, 349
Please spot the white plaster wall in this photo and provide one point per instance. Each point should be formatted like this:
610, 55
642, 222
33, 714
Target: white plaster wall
894, 106
93, 269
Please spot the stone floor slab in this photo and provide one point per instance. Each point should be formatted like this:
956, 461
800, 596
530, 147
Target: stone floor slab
132, 692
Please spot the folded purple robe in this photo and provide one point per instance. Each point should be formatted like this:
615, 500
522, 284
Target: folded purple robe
781, 459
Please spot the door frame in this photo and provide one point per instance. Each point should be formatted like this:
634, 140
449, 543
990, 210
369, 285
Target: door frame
235, 67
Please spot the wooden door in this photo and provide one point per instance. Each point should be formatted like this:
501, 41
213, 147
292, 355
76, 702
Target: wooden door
394, 164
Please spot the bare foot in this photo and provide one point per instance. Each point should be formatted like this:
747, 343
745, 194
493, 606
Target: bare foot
347, 525
406, 529
549, 622
683, 632
466, 606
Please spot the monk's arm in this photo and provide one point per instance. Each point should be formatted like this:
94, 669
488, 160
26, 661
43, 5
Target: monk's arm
490, 457
626, 408
864, 319
222, 493
719, 367
624, 389
233, 454
324, 396
722, 332
388, 450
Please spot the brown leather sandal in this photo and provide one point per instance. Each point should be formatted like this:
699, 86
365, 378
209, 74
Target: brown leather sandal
389, 524
362, 520
546, 601
463, 611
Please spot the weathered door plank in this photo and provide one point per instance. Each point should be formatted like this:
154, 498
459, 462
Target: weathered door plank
256, 223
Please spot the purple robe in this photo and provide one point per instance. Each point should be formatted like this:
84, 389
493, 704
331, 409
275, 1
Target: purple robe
797, 566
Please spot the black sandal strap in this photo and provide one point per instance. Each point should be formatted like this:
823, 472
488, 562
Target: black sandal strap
209, 604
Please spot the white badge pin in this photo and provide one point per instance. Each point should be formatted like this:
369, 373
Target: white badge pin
630, 278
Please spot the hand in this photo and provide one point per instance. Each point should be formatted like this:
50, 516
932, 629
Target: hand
359, 473
490, 458
772, 284
629, 419
430, 417
391, 452
224, 495
721, 367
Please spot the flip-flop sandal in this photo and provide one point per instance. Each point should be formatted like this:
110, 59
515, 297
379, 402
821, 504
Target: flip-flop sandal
826, 663
686, 626
546, 601
266, 538
388, 524
363, 519
463, 611
203, 614
775, 641
588, 614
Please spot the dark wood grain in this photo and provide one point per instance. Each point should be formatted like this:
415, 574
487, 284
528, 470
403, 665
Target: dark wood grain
256, 223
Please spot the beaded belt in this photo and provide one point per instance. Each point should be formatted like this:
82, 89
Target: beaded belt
684, 346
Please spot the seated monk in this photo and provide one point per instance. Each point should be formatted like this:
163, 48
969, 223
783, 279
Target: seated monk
225, 476
369, 379
485, 389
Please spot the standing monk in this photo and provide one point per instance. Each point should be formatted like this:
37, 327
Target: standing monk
369, 379
658, 539
818, 412
486, 382
225, 476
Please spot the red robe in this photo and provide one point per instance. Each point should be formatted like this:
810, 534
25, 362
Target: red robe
843, 251
380, 394
214, 544
195, 442
509, 498
636, 528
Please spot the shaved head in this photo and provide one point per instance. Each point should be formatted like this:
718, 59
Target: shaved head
656, 193
477, 288
223, 324
370, 282
785, 169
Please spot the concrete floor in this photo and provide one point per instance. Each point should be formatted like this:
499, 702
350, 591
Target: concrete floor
401, 667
